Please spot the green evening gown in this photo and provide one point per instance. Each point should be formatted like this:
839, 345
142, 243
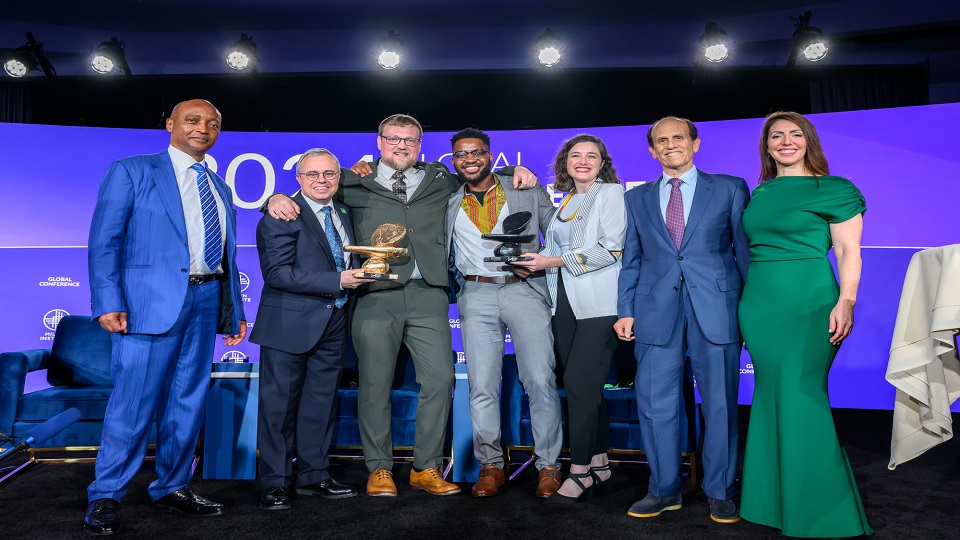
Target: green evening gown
796, 477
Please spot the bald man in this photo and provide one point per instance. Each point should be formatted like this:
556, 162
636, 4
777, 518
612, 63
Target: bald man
163, 282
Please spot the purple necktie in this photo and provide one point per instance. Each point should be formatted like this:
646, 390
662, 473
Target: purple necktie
675, 212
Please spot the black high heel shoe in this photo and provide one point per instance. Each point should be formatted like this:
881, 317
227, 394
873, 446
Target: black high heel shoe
585, 492
599, 486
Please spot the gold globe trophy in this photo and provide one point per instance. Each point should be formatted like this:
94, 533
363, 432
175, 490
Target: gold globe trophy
384, 242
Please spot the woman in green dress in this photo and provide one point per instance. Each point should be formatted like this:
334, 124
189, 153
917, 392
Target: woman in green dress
794, 317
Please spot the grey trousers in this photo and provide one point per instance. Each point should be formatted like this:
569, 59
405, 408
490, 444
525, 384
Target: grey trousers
417, 316
486, 311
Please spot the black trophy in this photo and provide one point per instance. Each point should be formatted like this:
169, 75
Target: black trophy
509, 250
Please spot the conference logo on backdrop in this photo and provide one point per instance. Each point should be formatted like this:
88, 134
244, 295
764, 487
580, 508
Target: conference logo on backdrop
59, 281
747, 369
454, 324
461, 357
50, 320
234, 357
244, 283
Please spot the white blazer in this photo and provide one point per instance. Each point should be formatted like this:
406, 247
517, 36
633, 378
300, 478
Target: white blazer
591, 269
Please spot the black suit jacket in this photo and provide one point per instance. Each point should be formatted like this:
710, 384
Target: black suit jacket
300, 277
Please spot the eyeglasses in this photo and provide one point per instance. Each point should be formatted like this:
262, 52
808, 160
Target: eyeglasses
327, 175
393, 140
462, 154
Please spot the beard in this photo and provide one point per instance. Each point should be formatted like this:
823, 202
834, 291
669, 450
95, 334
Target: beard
473, 180
399, 163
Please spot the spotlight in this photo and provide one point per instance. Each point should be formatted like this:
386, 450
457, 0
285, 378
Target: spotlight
109, 57
20, 62
714, 40
807, 41
549, 48
242, 55
390, 48
27, 58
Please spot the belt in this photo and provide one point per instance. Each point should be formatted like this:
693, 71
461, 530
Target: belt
499, 280
197, 279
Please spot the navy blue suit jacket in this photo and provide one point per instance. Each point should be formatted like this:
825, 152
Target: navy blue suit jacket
300, 279
139, 258
712, 259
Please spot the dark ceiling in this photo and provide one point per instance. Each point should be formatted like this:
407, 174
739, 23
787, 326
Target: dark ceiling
170, 37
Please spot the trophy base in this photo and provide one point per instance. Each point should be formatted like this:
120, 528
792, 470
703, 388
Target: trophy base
378, 277
507, 258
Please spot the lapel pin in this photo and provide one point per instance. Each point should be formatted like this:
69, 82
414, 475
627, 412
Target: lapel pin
343, 210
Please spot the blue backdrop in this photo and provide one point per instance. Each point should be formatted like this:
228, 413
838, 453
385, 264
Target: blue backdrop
906, 169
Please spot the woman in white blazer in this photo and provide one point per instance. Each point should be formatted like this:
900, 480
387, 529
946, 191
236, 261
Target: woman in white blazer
581, 255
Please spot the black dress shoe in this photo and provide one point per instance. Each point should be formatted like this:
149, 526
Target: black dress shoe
185, 501
103, 517
328, 489
275, 499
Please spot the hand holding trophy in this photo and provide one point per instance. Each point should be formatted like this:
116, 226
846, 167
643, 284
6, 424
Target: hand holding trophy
384, 242
509, 250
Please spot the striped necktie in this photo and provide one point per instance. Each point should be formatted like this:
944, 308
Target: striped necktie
212, 236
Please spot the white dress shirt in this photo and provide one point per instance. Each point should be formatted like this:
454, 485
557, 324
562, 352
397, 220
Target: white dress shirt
192, 214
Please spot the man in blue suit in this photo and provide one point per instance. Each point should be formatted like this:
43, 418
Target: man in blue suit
684, 263
164, 281
302, 328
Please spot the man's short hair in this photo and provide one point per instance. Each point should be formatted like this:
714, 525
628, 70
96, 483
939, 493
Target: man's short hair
470, 133
317, 152
691, 128
400, 120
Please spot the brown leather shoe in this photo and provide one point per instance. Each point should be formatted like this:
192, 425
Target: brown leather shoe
380, 484
430, 481
548, 481
490, 481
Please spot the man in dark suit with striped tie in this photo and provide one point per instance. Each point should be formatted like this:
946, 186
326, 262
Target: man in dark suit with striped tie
302, 328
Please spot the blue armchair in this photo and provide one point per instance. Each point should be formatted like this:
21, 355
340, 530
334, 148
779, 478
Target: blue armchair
78, 370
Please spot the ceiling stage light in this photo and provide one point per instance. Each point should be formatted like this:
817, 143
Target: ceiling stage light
549, 48
808, 41
27, 58
109, 57
242, 55
390, 50
20, 63
714, 43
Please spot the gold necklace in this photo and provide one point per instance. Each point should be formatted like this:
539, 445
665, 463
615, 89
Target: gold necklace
564, 205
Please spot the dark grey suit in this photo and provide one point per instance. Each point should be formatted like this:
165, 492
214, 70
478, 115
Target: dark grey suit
409, 311
303, 339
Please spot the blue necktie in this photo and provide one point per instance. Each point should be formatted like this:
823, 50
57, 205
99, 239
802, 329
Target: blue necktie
336, 246
212, 237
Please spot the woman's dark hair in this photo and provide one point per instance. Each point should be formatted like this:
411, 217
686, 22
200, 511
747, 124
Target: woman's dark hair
607, 174
814, 159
